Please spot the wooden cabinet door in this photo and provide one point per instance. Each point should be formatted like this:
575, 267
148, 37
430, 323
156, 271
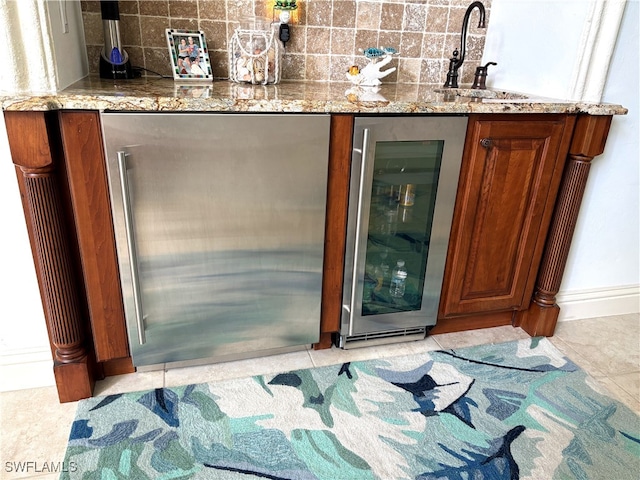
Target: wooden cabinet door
510, 176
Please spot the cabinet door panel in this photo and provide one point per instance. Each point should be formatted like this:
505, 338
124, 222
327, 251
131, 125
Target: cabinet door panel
510, 176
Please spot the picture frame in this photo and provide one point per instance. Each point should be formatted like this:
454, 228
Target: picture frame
185, 64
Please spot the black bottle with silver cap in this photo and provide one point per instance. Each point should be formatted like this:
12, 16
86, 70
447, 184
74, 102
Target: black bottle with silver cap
114, 60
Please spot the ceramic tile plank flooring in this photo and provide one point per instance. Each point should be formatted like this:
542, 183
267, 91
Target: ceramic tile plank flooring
35, 427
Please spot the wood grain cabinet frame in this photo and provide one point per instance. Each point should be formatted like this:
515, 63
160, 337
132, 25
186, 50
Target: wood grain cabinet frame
84, 157
335, 227
521, 186
518, 198
511, 172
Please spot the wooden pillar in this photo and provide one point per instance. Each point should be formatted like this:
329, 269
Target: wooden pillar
588, 141
335, 227
35, 157
87, 180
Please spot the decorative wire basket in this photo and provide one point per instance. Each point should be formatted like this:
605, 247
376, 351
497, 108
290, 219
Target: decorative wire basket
255, 53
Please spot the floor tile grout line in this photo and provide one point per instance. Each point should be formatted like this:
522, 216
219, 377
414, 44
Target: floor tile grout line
311, 358
599, 376
600, 381
585, 364
435, 339
622, 386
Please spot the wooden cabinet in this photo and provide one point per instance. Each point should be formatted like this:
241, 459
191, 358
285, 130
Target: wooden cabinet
511, 172
518, 198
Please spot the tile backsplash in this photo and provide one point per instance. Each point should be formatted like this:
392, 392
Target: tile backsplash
325, 38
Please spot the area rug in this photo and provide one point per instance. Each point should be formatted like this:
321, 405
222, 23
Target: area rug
516, 410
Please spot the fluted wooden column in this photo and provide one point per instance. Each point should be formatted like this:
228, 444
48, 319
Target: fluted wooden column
35, 158
588, 141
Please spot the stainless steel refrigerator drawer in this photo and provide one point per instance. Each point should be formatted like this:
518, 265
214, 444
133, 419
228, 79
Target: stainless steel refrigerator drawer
219, 222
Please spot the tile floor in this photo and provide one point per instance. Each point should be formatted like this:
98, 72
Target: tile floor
35, 427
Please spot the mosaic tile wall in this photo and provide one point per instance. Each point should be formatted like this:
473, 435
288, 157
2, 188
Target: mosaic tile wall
324, 40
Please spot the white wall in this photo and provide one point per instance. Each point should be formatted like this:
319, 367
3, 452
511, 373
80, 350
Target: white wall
23, 336
534, 43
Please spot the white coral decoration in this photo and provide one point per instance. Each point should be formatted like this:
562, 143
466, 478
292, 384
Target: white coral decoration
371, 74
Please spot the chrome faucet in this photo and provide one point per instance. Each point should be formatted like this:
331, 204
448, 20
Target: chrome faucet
455, 63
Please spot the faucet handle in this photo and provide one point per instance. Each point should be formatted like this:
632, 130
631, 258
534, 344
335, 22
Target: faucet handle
479, 82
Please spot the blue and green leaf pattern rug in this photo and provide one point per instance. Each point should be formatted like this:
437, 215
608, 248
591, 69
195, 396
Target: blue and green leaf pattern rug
517, 410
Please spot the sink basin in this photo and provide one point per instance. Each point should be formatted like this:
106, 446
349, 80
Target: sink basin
488, 94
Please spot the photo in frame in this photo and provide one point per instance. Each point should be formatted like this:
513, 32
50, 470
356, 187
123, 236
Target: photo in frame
189, 55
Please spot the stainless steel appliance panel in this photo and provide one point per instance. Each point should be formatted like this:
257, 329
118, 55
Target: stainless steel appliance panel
423, 155
219, 223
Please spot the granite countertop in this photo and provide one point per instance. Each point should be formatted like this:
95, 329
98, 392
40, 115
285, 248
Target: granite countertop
161, 94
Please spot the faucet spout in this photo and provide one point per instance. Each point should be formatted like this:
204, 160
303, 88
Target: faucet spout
456, 62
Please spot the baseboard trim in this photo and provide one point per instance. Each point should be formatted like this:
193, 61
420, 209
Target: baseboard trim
599, 302
26, 368
33, 368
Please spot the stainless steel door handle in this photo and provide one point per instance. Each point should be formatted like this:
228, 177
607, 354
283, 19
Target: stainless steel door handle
356, 248
131, 245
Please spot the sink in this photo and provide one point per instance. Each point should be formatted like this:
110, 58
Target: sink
474, 93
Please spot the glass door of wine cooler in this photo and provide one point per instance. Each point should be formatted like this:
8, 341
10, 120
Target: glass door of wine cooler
404, 179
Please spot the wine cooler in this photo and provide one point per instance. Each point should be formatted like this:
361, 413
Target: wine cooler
404, 177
